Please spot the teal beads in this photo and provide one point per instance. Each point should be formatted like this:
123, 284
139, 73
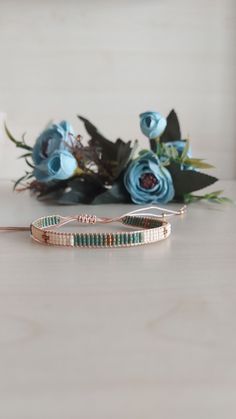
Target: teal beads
151, 230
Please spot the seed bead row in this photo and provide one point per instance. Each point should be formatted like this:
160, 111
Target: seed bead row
153, 230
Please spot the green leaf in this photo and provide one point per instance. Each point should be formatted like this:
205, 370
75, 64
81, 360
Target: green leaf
169, 151
222, 200
143, 151
198, 163
23, 138
184, 154
213, 197
20, 144
166, 162
215, 193
10, 136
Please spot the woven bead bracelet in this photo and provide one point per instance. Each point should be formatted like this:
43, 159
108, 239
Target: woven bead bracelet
154, 230
151, 228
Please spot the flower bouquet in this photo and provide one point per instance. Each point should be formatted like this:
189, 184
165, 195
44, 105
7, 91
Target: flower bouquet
63, 169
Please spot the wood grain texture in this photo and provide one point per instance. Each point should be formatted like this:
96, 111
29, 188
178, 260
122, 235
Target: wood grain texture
111, 60
137, 333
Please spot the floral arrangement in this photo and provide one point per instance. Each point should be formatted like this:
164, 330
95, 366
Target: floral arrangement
65, 170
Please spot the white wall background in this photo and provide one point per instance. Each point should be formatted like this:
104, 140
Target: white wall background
111, 60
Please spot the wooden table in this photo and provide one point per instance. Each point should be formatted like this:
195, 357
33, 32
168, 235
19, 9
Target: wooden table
140, 333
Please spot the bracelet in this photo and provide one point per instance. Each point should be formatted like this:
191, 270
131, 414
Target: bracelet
151, 228
154, 230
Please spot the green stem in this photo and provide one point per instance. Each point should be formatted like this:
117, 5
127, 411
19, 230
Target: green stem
154, 144
213, 197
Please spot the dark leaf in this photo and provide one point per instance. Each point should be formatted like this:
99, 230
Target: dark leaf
18, 182
81, 189
28, 163
50, 189
91, 129
117, 194
25, 155
28, 175
50, 195
112, 156
172, 131
186, 181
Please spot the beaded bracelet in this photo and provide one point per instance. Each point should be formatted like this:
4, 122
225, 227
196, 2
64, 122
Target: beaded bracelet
151, 228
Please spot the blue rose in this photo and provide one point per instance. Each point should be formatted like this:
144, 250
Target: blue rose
60, 165
179, 146
56, 137
152, 124
147, 181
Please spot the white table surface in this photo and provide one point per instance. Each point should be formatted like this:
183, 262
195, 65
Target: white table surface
140, 333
